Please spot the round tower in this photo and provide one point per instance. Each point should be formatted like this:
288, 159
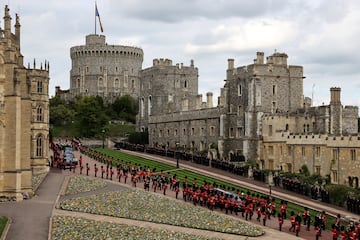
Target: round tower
104, 70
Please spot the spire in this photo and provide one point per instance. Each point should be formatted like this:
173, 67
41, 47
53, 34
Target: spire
7, 23
17, 27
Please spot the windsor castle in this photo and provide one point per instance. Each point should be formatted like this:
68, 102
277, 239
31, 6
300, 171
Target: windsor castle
262, 115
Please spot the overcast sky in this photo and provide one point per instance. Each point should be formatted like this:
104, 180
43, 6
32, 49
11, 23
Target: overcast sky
322, 36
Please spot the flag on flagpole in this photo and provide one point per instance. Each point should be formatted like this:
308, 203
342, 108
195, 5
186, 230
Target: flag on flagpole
98, 15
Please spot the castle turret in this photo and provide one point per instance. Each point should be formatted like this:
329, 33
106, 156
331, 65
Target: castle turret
17, 28
209, 100
335, 111
230, 63
7, 23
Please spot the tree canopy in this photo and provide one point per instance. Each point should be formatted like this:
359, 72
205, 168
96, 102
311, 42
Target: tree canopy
90, 114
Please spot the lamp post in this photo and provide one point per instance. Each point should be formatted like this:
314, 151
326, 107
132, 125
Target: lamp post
271, 181
103, 138
177, 155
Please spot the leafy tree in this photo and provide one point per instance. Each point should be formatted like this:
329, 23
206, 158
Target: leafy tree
61, 115
56, 101
91, 117
126, 108
139, 138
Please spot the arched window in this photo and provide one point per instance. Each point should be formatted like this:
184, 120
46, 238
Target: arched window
142, 108
39, 114
78, 83
116, 84
39, 146
149, 106
133, 83
100, 84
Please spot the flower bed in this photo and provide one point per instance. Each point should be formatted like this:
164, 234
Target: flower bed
145, 206
65, 227
79, 184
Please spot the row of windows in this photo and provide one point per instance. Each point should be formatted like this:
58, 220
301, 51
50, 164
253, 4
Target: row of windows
100, 52
202, 132
201, 146
317, 152
168, 132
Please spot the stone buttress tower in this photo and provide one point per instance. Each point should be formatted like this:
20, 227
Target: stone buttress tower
24, 117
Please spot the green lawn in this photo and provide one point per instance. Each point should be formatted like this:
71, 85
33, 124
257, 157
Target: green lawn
181, 173
3, 221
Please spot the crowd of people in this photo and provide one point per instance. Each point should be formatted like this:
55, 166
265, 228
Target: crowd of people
251, 207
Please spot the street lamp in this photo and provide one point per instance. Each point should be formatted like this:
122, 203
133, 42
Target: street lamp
177, 155
103, 138
271, 181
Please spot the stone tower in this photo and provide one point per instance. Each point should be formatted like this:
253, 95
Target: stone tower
335, 111
167, 88
262, 87
108, 71
24, 115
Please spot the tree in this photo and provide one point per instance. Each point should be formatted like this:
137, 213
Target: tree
61, 115
91, 117
125, 108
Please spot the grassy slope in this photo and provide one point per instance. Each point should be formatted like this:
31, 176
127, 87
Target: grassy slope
3, 221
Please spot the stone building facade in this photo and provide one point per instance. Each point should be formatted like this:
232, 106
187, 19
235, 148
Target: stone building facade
24, 115
100, 69
233, 126
325, 138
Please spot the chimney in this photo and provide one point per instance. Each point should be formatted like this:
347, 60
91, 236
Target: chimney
230, 63
209, 100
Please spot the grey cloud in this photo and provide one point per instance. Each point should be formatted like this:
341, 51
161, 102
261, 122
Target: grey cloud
183, 10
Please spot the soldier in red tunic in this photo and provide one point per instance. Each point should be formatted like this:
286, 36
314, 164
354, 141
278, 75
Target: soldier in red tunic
281, 221
96, 169
102, 171
87, 169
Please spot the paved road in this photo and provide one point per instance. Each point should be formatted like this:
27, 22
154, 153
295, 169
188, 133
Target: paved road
30, 218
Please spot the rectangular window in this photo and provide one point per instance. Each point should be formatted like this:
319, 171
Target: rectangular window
335, 155
39, 87
317, 169
289, 150
271, 164
270, 130
238, 132
231, 132
303, 151
239, 90
271, 150
353, 154
317, 152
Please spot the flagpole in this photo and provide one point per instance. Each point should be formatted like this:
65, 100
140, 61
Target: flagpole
95, 17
